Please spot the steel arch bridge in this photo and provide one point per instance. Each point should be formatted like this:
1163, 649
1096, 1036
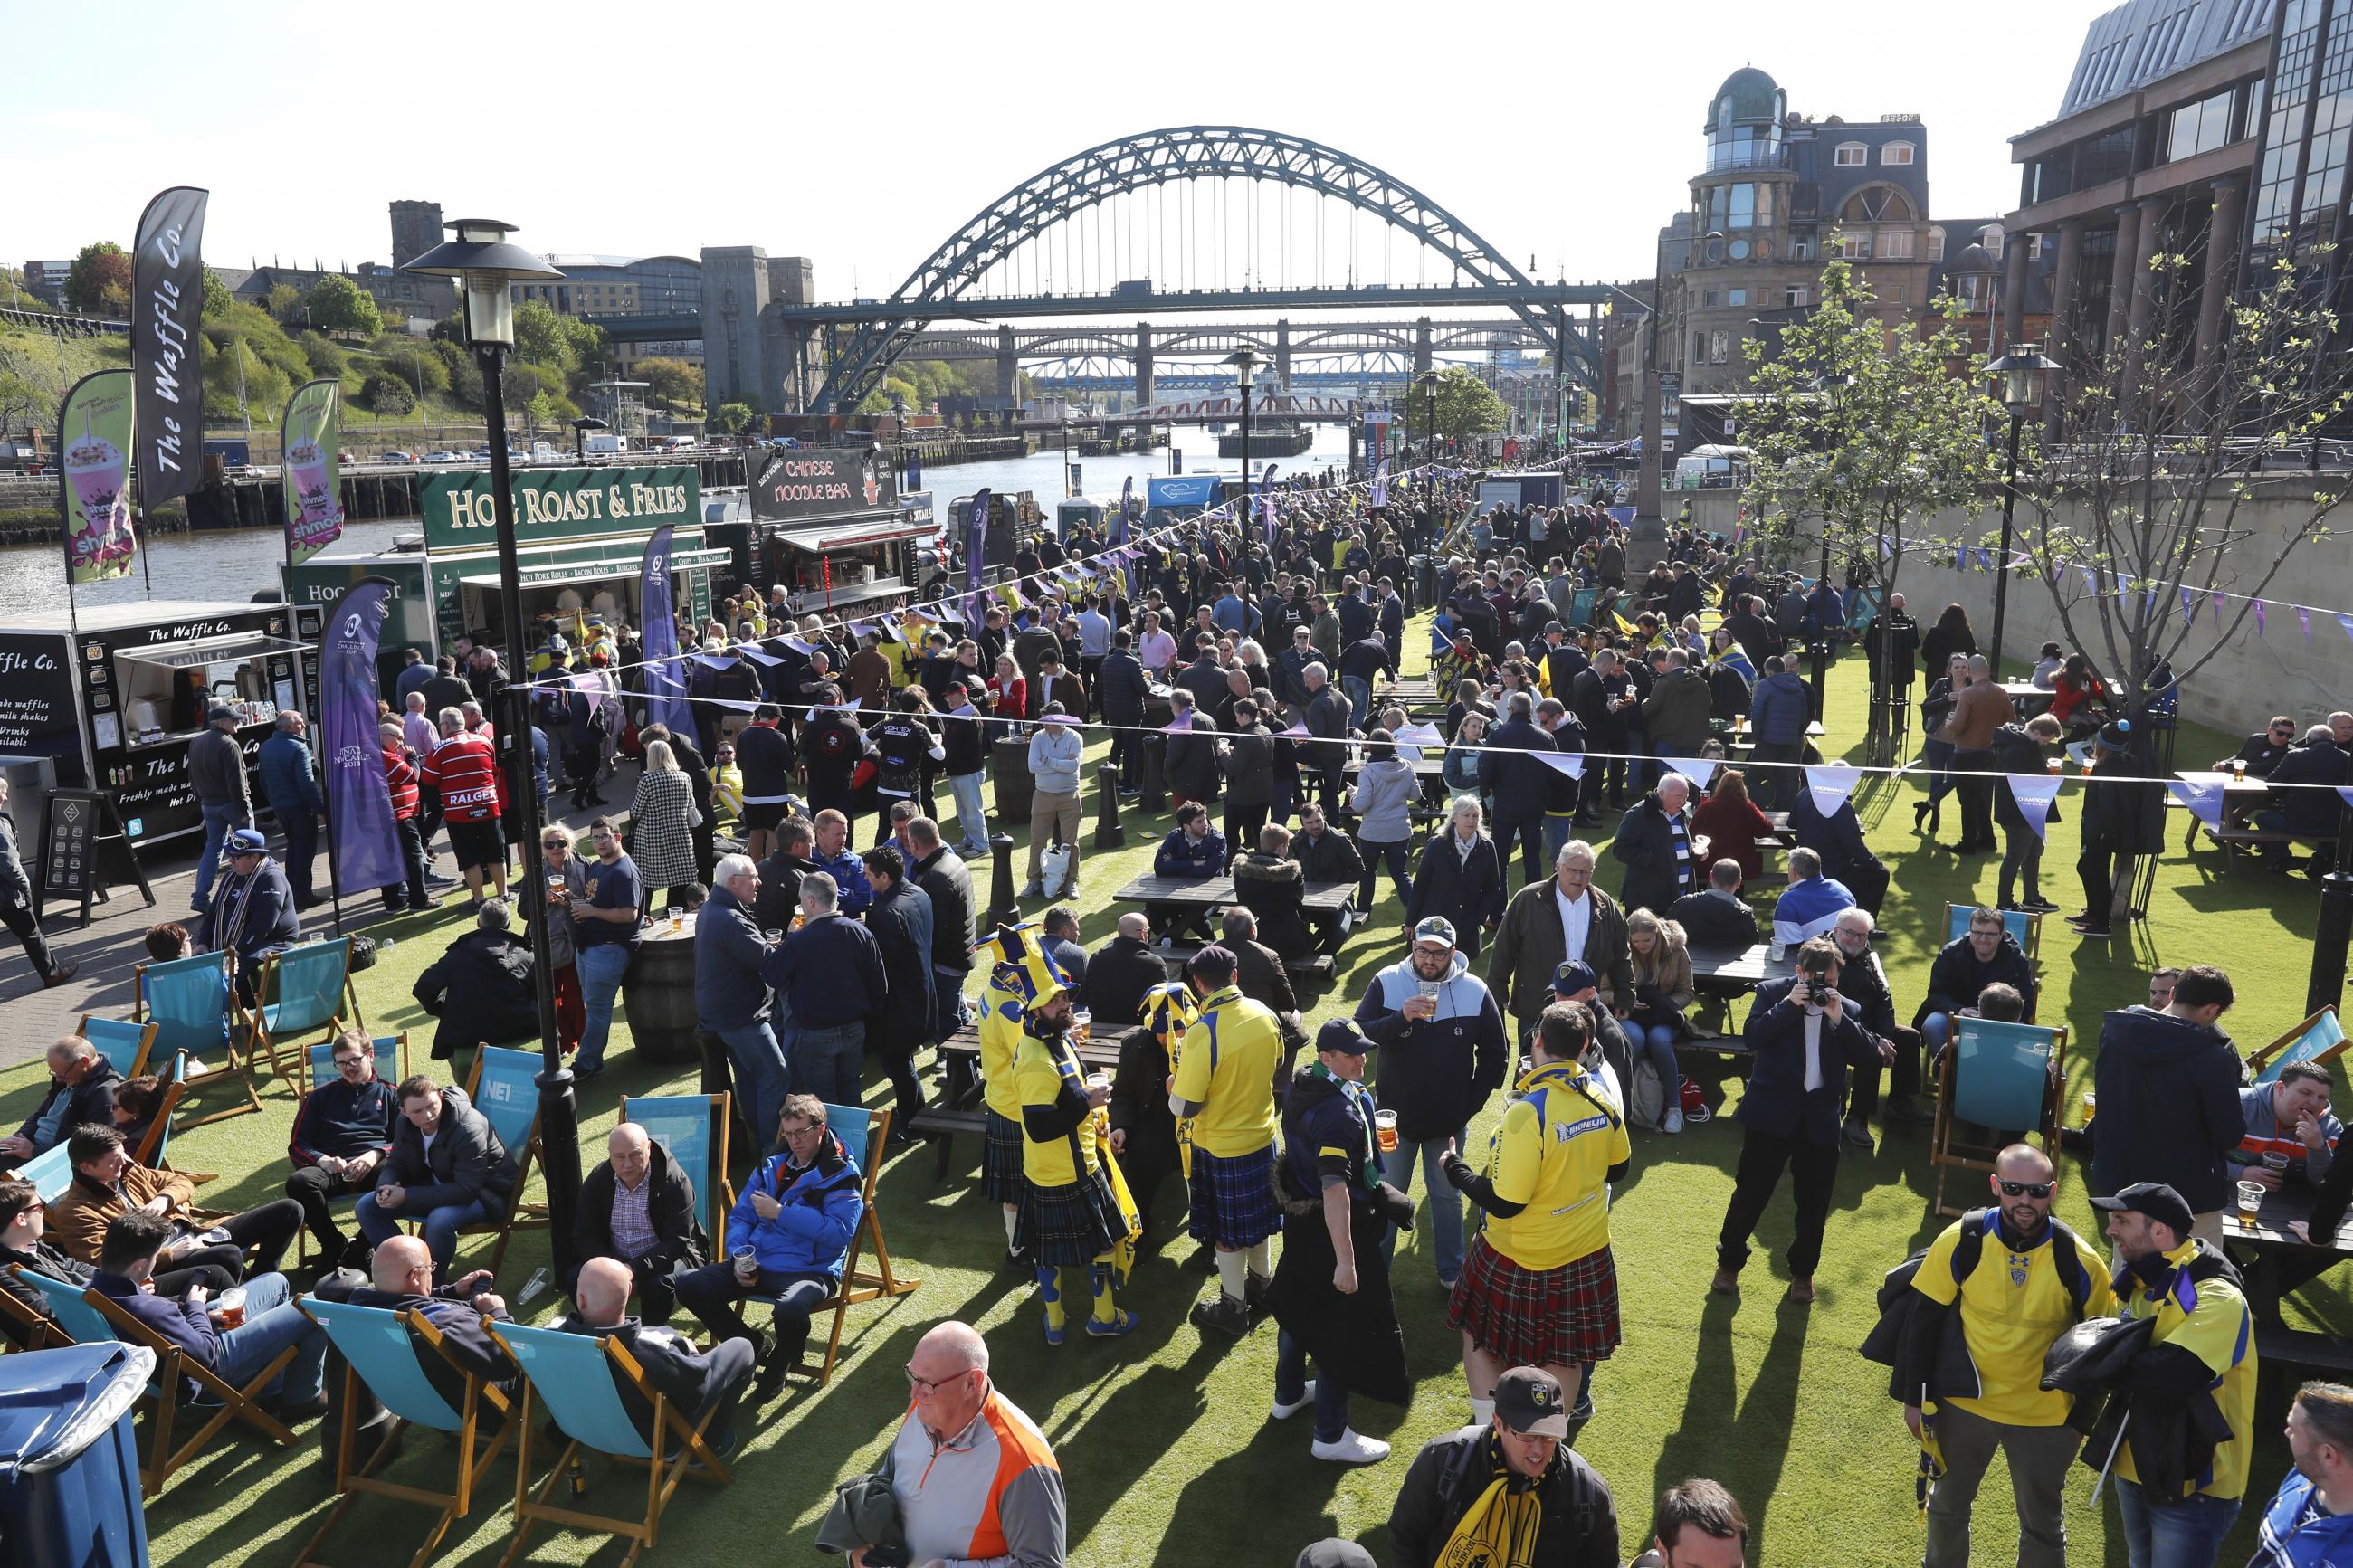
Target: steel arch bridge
1153, 158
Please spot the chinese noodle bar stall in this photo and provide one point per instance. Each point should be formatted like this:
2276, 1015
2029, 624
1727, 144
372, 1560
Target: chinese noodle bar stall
829, 524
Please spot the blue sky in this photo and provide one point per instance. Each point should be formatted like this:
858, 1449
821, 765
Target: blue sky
860, 137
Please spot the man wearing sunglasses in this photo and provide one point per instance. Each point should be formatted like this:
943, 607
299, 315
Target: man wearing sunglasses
2001, 1284
2262, 750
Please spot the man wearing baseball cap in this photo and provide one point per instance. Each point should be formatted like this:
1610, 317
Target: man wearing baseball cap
224, 795
1512, 1490
252, 914
1575, 981
2204, 1342
1444, 1053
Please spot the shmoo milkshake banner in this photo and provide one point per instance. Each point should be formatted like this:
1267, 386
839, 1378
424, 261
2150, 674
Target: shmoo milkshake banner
94, 439
167, 296
311, 478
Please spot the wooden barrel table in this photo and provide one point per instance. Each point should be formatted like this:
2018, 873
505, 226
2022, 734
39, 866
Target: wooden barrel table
658, 993
1008, 760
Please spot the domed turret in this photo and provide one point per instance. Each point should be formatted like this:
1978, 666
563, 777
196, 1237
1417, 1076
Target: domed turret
1749, 97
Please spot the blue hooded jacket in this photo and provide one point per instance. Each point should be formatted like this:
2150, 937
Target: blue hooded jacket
2324, 1539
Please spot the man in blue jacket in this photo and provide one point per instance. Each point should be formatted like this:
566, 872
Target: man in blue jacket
732, 958
2309, 1523
252, 914
291, 786
788, 1240
2168, 1088
1779, 711
1522, 786
1194, 851
271, 1322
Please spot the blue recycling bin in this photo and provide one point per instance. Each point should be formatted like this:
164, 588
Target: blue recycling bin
68, 1458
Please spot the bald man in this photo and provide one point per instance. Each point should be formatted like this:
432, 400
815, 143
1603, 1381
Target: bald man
1120, 972
639, 1207
400, 1273
696, 1382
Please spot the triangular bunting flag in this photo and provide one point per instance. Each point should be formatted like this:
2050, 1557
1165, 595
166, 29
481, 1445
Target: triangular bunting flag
1830, 784
2034, 792
1569, 763
2204, 799
1699, 770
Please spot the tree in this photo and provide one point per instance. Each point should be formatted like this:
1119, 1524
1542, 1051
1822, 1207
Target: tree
732, 418
324, 357
2165, 487
386, 394
540, 336
672, 383
339, 305
420, 369
1466, 405
218, 300
284, 301
101, 275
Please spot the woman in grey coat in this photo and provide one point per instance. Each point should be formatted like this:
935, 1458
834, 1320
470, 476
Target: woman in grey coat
663, 825
1386, 791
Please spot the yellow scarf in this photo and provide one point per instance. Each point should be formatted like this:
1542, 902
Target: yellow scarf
1499, 1529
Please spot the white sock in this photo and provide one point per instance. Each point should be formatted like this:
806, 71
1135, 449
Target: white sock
1482, 1413
1230, 1274
1010, 1217
1261, 1261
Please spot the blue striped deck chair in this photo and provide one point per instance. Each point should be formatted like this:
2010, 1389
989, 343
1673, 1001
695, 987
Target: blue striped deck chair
194, 1011
92, 1319
2319, 1040
860, 1131
2024, 926
574, 1377
692, 1128
301, 989
318, 1068
504, 1087
380, 1355
125, 1045
50, 1172
2002, 1078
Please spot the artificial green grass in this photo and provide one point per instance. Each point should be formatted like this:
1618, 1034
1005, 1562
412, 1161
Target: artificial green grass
1164, 1439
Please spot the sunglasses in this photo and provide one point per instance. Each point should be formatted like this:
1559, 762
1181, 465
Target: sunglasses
2026, 1189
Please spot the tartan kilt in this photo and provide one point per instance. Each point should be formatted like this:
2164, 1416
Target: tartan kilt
1073, 1223
1233, 1202
1000, 1159
1528, 1317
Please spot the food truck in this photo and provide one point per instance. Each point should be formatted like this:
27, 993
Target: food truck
580, 537
114, 696
829, 523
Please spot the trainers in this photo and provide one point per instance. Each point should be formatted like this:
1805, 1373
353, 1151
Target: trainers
773, 1370
1352, 1448
1220, 1312
1123, 1324
2094, 931
2040, 906
1904, 1110
1034, 890
1283, 1411
1674, 1120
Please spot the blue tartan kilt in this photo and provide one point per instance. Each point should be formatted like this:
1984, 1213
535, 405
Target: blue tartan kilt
1068, 1224
1233, 1198
1000, 1160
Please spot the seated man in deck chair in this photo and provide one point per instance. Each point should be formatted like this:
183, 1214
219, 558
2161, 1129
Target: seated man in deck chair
695, 1381
272, 1321
400, 1276
82, 1089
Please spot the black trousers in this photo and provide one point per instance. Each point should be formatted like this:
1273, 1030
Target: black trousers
313, 1191
19, 918
1974, 782
1813, 1171
262, 1235
1242, 823
1867, 880
2097, 867
1903, 1075
1529, 835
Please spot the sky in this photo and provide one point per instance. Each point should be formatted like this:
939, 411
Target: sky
1562, 132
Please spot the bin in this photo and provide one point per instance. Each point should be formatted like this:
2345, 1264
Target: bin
69, 1458
1425, 584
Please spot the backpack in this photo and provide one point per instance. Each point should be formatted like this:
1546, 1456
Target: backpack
1970, 1247
1646, 1096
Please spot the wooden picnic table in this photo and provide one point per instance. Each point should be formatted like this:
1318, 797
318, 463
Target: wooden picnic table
1731, 972
958, 1108
1425, 767
1209, 892
2027, 697
2258, 1248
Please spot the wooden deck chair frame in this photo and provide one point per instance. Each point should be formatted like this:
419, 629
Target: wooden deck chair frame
171, 1364
521, 1215
858, 1285
286, 1060
39, 1331
2032, 942
155, 1148
474, 1457
2258, 1061
139, 1062
662, 1475
236, 1045
1950, 1152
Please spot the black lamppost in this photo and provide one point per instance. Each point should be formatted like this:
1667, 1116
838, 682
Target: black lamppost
580, 428
1831, 385
2022, 371
899, 414
1244, 363
486, 269
1428, 382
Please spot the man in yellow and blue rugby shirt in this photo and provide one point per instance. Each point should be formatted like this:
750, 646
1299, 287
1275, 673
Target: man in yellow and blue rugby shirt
1002, 1003
1224, 1082
2204, 1342
2017, 1280
1075, 1214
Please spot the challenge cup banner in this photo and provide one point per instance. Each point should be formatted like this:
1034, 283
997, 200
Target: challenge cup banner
666, 701
976, 544
2033, 793
1381, 485
167, 298
1830, 784
310, 477
94, 445
365, 840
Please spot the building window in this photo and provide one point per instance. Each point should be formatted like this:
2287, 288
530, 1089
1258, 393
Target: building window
1735, 296
1937, 243
1699, 348
1794, 297
1895, 245
1721, 343
1895, 152
1707, 298
2196, 127
1854, 247
1850, 155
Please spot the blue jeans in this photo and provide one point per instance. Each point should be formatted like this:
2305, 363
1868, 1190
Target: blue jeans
971, 818
601, 968
271, 1323
761, 1079
1557, 830
1657, 1041
826, 1062
1443, 1212
1399, 856
711, 1291
2187, 1535
1360, 693
950, 1012
1934, 1030
1291, 1386
219, 820
442, 1225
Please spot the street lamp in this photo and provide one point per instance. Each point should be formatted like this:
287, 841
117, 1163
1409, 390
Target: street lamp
2021, 372
1831, 385
488, 269
899, 416
1428, 382
1244, 362
580, 428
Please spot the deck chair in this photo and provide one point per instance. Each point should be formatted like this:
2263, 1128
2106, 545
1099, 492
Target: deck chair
861, 1131
2024, 926
50, 1172
318, 1067
573, 1376
379, 1353
504, 1087
196, 1012
301, 990
154, 1148
23, 1327
125, 1045
2004, 1078
2319, 1040
91, 1319
693, 1129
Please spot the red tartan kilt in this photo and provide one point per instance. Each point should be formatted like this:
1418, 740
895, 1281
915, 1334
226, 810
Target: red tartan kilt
1551, 1317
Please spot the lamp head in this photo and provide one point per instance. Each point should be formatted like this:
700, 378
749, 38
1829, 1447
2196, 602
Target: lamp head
1243, 362
2021, 372
486, 269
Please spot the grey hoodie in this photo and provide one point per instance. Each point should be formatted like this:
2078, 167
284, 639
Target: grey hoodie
1383, 798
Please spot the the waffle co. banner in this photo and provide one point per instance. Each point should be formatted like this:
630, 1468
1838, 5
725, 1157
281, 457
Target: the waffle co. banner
2034, 792
167, 301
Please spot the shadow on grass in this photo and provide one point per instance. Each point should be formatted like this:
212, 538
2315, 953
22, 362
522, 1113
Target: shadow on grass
1742, 1442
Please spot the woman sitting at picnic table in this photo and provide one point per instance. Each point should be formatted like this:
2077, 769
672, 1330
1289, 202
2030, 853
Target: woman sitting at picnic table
1732, 824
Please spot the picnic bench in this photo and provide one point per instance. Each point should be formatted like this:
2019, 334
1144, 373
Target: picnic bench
2236, 834
1210, 894
1724, 976
2256, 1248
958, 1109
